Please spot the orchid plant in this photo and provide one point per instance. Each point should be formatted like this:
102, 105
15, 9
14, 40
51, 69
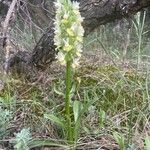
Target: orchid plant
68, 40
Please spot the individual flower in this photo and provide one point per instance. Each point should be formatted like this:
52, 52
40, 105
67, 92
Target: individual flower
58, 5
75, 5
70, 32
67, 47
66, 16
75, 63
61, 58
80, 19
78, 52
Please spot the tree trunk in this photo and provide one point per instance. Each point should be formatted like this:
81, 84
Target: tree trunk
95, 13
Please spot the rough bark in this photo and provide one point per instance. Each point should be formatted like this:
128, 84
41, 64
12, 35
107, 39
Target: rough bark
95, 12
98, 12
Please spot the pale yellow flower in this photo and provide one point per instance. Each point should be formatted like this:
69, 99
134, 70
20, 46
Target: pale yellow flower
75, 63
76, 12
78, 45
79, 39
64, 21
66, 16
74, 28
61, 58
80, 31
79, 19
78, 52
67, 47
75, 5
57, 41
57, 29
70, 32
58, 4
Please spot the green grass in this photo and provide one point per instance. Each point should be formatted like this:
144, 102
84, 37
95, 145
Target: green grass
115, 101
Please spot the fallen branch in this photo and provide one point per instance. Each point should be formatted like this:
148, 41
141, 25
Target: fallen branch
9, 17
95, 12
9, 50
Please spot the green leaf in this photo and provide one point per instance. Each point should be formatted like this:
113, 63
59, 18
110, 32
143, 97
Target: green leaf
57, 91
120, 140
147, 142
102, 116
86, 130
79, 109
55, 119
73, 89
76, 109
46, 142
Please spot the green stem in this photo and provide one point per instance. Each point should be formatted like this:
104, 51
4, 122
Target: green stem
139, 51
67, 98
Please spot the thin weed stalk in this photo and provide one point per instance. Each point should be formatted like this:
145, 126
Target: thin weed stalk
139, 28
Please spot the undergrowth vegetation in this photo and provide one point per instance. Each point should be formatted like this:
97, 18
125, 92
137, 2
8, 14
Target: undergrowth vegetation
110, 96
